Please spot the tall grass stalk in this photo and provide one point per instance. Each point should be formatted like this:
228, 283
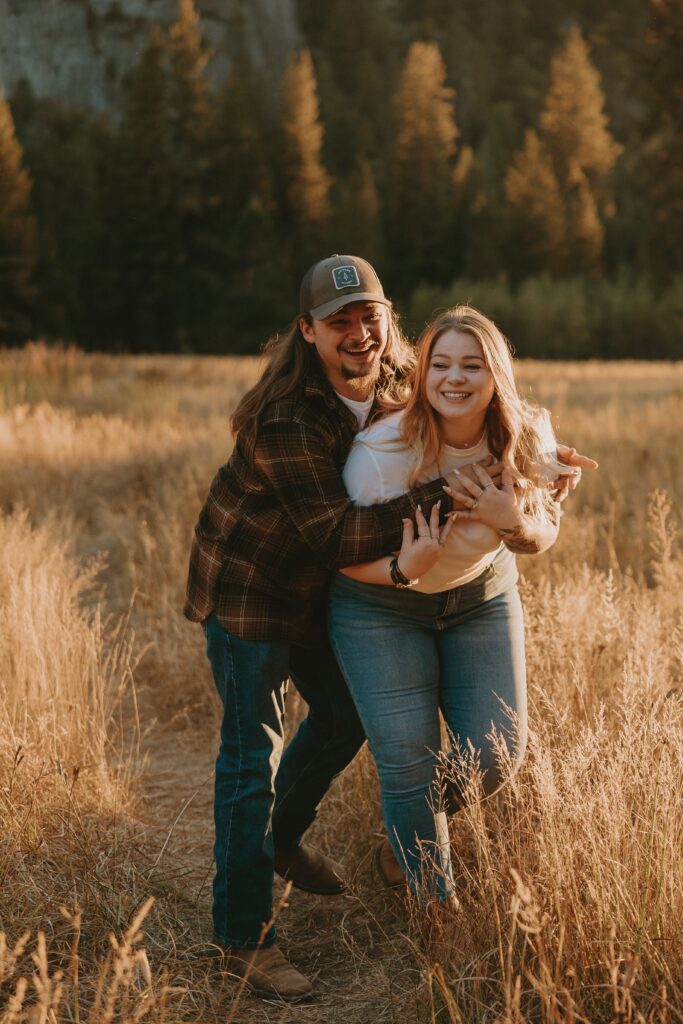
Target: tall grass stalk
570, 882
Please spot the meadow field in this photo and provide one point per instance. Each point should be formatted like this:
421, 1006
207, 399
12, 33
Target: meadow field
571, 882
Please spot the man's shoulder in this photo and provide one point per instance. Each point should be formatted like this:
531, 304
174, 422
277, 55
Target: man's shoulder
311, 406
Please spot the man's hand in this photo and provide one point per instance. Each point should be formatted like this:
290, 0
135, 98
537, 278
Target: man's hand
457, 487
561, 487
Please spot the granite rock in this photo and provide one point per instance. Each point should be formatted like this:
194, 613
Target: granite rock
80, 50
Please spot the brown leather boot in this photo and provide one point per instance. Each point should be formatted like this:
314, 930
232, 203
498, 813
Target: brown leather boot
309, 870
267, 972
388, 869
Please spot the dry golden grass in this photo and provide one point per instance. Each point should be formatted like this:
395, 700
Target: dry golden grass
571, 881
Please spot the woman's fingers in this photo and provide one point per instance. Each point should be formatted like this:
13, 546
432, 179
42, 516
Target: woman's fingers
408, 534
470, 486
428, 531
422, 524
508, 482
446, 529
465, 499
493, 471
458, 501
463, 514
434, 521
483, 477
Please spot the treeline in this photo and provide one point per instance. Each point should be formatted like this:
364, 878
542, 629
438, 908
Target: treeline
529, 152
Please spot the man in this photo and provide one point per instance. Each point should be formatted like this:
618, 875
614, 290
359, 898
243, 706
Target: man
277, 522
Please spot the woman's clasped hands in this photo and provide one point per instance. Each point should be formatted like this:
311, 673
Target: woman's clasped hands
498, 508
485, 503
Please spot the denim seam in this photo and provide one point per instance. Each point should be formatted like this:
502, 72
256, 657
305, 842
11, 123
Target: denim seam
410, 874
239, 768
340, 662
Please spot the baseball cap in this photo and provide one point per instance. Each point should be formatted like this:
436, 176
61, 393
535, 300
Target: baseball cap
331, 283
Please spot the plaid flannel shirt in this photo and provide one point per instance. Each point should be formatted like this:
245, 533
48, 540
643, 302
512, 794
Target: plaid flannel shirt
278, 522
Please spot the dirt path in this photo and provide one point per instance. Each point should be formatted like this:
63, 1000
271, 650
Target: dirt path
352, 946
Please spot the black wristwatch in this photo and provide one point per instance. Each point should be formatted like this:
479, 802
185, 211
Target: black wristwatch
398, 578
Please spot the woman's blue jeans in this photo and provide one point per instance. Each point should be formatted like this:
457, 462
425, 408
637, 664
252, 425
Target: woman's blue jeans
264, 798
405, 655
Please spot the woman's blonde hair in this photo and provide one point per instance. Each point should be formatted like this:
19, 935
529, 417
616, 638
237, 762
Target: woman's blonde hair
518, 433
289, 357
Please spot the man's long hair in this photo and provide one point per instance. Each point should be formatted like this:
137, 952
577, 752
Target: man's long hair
289, 358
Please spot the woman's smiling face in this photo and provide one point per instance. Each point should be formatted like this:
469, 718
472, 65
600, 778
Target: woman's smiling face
459, 385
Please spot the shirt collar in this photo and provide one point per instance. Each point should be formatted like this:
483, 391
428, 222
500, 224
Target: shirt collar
316, 383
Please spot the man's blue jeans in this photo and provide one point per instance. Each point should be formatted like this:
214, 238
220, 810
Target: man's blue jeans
262, 797
405, 655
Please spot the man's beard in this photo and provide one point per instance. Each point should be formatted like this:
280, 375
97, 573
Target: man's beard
359, 380
362, 378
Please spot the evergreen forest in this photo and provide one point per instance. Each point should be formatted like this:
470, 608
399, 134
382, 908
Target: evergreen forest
525, 155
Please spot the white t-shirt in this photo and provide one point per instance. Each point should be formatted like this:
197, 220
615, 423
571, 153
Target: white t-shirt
377, 470
360, 409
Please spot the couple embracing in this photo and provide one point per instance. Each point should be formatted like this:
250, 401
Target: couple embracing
360, 540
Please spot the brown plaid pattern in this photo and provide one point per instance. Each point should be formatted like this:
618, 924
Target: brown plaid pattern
278, 522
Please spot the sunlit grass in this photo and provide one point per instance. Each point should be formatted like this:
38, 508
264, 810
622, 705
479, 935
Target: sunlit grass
572, 884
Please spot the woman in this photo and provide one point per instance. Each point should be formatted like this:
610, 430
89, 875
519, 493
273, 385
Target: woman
440, 625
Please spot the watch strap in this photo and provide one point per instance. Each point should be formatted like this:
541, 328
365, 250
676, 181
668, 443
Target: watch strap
398, 578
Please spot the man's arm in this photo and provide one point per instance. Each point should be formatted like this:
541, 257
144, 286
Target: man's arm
296, 461
559, 487
564, 484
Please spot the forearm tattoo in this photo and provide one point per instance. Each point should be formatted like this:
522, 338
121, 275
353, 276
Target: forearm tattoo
517, 540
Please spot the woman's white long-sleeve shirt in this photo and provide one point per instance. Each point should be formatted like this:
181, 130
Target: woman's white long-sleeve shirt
377, 470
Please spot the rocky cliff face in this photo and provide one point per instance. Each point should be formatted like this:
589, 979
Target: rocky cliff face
80, 50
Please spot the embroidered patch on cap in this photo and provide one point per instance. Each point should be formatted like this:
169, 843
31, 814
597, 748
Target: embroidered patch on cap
345, 277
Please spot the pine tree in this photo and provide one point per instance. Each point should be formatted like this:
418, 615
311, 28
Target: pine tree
538, 222
69, 155
573, 121
585, 235
421, 190
307, 183
196, 283
571, 155
241, 167
356, 226
575, 129
430, 19
663, 156
140, 195
17, 233
357, 62
189, 94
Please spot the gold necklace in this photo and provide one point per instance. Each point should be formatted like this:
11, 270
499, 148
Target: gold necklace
473, 444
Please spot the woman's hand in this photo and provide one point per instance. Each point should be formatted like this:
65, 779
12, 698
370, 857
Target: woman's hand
419, 552
498, 509
456, 479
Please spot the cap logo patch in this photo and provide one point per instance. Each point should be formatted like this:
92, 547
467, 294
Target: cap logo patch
345, 277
